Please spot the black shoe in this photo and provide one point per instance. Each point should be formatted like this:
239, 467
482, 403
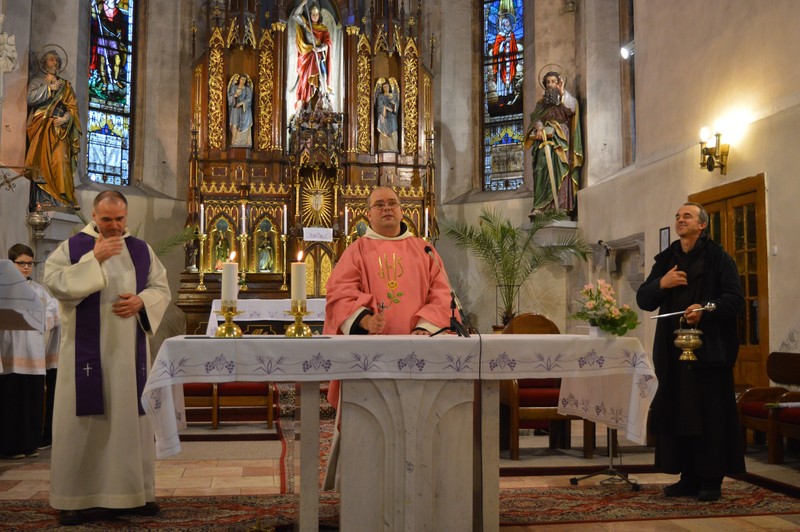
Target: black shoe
149, 509
709, 494
72, 517
682, 488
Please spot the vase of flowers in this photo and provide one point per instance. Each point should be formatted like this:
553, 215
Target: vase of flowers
601, 310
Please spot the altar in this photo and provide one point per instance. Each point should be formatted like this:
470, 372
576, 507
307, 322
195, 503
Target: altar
412, 464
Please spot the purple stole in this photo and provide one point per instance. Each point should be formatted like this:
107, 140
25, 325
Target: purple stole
88, 374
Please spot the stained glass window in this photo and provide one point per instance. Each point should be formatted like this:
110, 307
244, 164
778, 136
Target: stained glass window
110, 91
503, 132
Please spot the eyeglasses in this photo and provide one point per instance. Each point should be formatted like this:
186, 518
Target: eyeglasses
24, 264
382, 205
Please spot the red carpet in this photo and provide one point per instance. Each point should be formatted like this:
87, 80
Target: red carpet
534, 506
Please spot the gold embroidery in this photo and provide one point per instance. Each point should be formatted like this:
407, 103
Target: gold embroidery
391, 270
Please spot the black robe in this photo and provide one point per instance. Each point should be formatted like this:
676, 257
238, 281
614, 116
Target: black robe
694, 412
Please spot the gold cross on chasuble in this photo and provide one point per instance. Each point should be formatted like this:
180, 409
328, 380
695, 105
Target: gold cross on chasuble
390, 269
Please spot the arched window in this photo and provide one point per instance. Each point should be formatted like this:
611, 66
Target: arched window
109, 123
502, 94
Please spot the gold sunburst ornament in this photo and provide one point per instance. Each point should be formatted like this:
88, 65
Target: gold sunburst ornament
317, 200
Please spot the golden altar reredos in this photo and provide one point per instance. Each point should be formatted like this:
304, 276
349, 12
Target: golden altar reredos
295, 175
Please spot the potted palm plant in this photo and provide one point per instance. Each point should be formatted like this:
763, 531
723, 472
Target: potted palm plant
511, 254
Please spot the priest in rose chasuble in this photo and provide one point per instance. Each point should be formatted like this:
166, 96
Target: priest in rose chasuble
387, 282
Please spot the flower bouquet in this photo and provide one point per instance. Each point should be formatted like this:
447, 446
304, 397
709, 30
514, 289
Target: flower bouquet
600, 309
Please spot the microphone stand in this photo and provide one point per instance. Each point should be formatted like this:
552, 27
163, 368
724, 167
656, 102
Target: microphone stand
455, 325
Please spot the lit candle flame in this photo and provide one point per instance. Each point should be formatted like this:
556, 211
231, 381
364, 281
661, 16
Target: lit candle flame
232, 256
300, 257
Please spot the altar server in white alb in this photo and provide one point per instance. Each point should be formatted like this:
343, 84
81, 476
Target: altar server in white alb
113, 293
24, 356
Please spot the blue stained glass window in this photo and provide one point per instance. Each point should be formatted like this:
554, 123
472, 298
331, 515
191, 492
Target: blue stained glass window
503, 37
110, 91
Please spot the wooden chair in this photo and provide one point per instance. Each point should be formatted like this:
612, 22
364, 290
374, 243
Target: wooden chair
536, 400
783, 422
202, 395
244, 394
750, 404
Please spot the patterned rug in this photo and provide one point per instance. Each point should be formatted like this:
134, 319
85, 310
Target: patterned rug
531, 506
287, 431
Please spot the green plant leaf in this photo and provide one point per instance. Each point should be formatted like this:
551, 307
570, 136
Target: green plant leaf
510, 254
178, 239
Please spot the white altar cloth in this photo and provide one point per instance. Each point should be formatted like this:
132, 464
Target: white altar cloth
606, 380
265, 310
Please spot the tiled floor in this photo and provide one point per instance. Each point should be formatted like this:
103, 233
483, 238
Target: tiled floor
259, 473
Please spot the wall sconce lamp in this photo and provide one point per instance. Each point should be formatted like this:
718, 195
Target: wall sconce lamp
715, 156
627, 50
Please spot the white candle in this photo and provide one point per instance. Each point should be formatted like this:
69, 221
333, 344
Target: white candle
299, 279
426, 222
230, 282
285, 224
345, 220
202, 219
242, 220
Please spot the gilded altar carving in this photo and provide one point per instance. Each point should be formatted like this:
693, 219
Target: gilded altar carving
249, 34
427, 95
197, 104
316, 137
278, 26
316, 200
380, 42
266, 61
216, 91
410, 98
325, 270
270, 189
233, 34
364, 67
218, 188
398, 40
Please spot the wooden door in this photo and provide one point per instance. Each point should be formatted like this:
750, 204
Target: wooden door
737, 221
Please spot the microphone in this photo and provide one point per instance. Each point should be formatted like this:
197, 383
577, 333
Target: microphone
455, 325
605, 246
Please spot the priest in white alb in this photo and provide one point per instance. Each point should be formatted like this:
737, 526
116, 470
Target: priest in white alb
113, 293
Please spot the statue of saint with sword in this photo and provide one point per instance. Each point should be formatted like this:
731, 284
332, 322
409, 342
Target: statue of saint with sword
313, 53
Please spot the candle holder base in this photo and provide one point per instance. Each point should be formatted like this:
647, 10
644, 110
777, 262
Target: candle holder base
298, 329
201, 287
229, 329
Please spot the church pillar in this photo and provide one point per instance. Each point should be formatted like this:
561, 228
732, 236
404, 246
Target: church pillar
355, 123
279, 83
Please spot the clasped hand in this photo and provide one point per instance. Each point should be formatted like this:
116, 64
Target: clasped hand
127, 306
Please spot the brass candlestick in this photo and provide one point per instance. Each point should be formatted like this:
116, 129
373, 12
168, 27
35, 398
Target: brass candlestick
229, 329
284, 286
243, 252
298, 329
688, 340
201, 266
347, 240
